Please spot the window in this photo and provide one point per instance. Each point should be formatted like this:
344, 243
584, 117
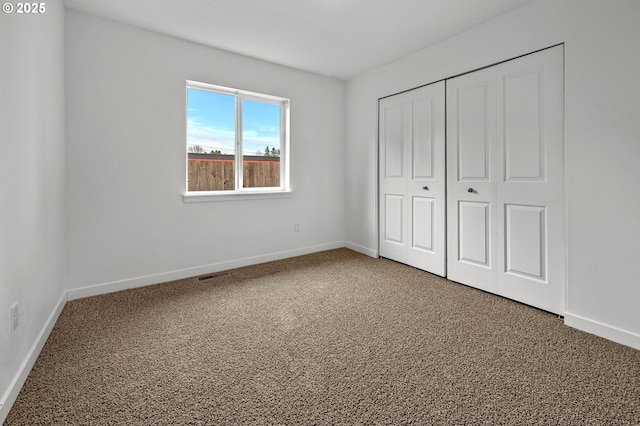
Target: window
237, 141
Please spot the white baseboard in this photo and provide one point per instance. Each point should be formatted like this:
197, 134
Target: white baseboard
609, 332
110, 287
25, 368
361, 249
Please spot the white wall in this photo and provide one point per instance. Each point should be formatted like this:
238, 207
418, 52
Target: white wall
602, 142
126, 220
32, 199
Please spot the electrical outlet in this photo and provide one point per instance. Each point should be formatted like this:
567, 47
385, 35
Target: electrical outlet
296, 226
14, 317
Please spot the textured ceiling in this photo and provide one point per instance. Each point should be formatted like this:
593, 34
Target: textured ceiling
337, 38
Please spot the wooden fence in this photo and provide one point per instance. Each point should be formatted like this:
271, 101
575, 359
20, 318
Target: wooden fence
213, 172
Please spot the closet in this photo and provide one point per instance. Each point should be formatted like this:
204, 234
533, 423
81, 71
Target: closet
501, 217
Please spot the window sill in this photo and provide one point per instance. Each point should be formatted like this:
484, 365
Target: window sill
207, 197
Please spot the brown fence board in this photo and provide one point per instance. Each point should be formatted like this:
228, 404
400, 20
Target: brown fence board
216, 172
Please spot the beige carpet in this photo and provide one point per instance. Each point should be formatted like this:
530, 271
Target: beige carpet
329, 338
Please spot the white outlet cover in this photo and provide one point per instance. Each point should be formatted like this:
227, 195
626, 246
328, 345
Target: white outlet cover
15, 317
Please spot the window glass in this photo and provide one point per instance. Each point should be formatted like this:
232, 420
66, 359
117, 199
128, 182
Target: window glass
211, 140
261, 140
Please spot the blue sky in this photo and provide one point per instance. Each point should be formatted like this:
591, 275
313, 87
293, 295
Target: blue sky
211, 123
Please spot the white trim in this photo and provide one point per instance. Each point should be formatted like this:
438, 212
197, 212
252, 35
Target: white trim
361, 249
212, 196
285, 166
239, 149
9, 398
605, 331
235, 92
110, 287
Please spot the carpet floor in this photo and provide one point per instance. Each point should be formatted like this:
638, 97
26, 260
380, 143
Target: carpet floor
329, 338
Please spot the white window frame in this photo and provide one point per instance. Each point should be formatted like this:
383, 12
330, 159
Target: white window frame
240, 193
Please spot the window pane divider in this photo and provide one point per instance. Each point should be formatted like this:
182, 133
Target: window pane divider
239, 138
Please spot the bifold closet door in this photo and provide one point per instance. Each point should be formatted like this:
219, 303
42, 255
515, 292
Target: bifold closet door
505, 212
412, 178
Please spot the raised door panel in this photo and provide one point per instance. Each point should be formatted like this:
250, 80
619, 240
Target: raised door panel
474, 233
423, 157
472, 125
524, 147
394, 219
526, 241
423, 216
393, 143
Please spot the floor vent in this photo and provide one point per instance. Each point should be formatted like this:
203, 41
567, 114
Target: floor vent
212, 276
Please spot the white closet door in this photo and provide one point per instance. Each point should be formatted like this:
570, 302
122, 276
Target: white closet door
505, 180
412, 178
471, 179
